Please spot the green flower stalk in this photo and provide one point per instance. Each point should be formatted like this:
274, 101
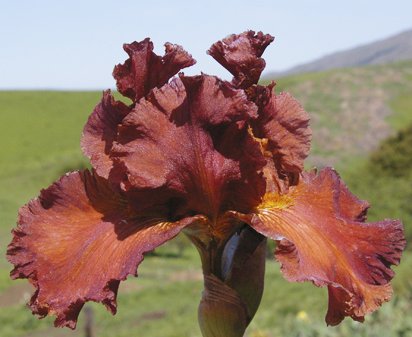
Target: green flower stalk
219, 161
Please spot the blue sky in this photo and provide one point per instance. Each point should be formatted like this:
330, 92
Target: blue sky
75, 44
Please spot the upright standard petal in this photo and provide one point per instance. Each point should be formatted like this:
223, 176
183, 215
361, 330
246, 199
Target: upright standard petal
241, 55
195, 130
100, 131
144, 70
285, 125
78, 240
320, 239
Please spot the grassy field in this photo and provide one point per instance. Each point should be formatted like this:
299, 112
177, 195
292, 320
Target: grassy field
353, 111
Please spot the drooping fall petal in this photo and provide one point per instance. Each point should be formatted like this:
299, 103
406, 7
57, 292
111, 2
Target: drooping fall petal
321, 240
241, 55
100, 131
208, 157
78, 240
195, 130
349, 205
144, 70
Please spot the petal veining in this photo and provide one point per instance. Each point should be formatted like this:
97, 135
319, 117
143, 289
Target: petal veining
78, 240
195, 130
285, 124
319, 240
100, 131
143, 71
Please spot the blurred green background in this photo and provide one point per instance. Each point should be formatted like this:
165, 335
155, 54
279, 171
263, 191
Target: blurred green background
362, 125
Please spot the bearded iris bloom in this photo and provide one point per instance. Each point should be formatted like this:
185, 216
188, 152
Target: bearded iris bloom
219, 161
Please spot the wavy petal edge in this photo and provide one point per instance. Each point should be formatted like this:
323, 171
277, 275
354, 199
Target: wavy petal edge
320, 241
77, 241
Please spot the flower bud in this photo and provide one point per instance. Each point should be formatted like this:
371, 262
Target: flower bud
231, 299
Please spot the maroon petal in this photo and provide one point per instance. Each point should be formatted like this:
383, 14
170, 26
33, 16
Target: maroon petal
191, 137
241, 55
77, 241
144, 70
320, 240
100, 131
285, 124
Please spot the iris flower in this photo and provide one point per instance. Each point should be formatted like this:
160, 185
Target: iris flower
219, 161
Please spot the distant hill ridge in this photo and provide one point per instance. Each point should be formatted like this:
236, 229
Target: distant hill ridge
392, 49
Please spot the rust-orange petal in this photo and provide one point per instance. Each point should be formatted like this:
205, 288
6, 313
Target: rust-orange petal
321, 240
77, 241
191, 138
100, 131
284, 122
241, 55
144, 70
349, 205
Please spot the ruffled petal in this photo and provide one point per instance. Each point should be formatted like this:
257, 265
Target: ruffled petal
285, 124
241, 55
100, 132
144, 70
78, 240
349, 205
321, 240
191, 137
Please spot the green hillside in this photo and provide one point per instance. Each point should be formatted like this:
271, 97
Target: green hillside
385, 179
354, 111
392, 49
